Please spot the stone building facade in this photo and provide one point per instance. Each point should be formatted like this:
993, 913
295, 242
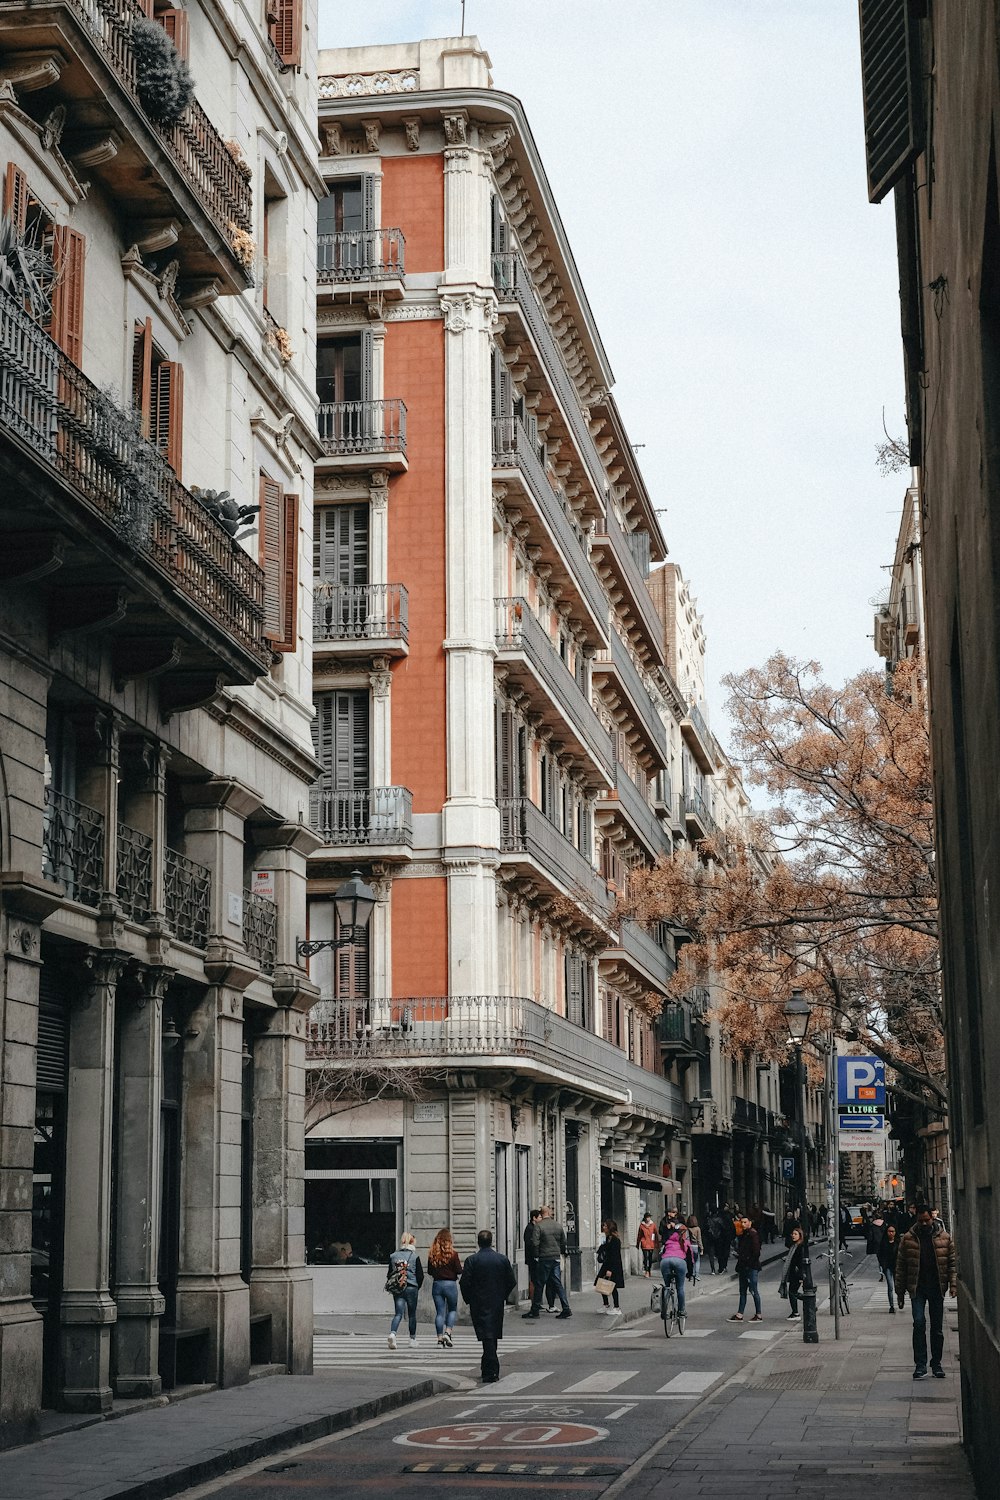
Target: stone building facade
931, 77
155, 705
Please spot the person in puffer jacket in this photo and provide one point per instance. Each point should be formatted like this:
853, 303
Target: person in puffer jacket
926, 1267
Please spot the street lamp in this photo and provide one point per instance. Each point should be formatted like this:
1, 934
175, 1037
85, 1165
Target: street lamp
354, 902
797, 1013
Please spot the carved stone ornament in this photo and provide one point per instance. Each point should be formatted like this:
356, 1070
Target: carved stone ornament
373, 135
333, 138
24, 940
53, 126
411, 130
167, 284
455, 129
281, 142
381, 678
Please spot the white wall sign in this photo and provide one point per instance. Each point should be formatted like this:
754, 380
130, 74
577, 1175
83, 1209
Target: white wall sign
428, 1114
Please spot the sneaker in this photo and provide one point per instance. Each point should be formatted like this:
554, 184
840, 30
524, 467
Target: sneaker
735, 1318
892, 1309
920, 1373
391, 1341
757, 1318
449, 1342
413, 1341
794, 1318
530, 1315
937, 1372
442, 1342
566, 1313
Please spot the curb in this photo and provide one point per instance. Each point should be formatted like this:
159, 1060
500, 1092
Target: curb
237, 1457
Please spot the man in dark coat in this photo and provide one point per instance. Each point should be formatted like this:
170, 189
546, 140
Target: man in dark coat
488, 1279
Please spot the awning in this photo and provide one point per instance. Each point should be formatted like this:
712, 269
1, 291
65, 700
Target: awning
643, 1179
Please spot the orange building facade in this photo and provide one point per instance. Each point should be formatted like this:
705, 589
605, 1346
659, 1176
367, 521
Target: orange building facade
496, 724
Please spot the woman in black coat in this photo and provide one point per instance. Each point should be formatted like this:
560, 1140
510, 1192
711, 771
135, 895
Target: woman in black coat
609, 1264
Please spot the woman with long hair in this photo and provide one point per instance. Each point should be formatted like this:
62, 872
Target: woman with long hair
609, 1264
696, 1246
405, 1300
445, 1266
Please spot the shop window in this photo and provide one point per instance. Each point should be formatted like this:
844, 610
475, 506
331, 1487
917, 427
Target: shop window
351, 1201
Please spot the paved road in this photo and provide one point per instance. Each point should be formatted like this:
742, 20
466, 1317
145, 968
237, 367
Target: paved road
578, 1403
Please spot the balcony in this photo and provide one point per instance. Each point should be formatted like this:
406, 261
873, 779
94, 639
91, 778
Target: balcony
680, 1033
260, 929
563, 544
698, 822
95, 511
361, 260
526, 649
134, 875
347, 617
698, 738
187, 898
178, 179
362, 434
628, 801
644, 952
626, 578
527, 838
495, 1032
73, 847
638, 704
373, 818
749, 1118
516, 294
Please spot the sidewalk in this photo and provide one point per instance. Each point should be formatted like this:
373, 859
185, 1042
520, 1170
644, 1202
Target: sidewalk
832, 1421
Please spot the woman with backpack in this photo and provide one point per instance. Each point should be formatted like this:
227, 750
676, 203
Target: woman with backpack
445, 1266
404, 1281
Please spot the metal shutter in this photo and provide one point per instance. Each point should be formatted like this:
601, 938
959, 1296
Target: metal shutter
53, 1035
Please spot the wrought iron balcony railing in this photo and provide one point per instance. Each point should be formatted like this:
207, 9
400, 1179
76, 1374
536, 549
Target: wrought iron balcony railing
134, 875
487, 1028
513, 284
360, 612
639, 813
512, 447
260, 929
646, 949
749, 1117
194, 144
612, 538
695, 809
645, 714
352, 255
519, 629
73, 847
347, 427
187, 890
379, 815
71, 426
524, 829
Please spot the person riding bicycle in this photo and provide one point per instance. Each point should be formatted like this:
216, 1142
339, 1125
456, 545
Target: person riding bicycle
674, 1256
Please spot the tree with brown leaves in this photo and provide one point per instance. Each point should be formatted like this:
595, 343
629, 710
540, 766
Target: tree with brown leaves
833, 891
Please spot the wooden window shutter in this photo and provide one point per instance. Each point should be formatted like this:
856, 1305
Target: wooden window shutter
271, 516
68, 254
286, 31
166, 411
323, 735
175, 24
289, 575
142, 360
341, 549
890, 85
15, 197
353, 967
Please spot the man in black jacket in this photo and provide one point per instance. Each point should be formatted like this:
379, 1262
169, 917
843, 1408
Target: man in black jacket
488, 1279
548, 1244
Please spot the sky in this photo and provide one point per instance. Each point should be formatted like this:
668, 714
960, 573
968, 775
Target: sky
707, 158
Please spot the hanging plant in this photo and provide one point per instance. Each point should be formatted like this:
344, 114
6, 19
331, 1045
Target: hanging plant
242, 165
163, 78
117, 444
244, 245
278, 338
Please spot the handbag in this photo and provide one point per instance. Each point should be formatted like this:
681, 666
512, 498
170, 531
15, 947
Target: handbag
605, 1285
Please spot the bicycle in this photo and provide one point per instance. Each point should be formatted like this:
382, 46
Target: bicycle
843, 1300
669, 1311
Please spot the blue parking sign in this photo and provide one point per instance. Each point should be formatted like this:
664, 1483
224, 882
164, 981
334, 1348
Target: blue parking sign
788, 1168
860, 1081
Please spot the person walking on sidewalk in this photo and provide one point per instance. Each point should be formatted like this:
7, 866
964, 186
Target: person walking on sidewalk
673, 1259
445, 1266
406, 1300
791, 1276
531, 1259
748, 1270
926, 1268
549, 1245
646, 1241
888, 1248
696, 1246
487, 1280
609, 1264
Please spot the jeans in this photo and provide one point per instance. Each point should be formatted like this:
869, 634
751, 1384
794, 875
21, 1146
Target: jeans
890, 1284
922, 1303
672, 1267
748, 1282
695, 1262
549, 1275
535, 1281
445, 1294
406, 1306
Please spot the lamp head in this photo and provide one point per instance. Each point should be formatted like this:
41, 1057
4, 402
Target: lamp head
354, 901
797, 1013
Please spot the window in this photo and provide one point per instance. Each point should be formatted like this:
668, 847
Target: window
350, 1201
175, 24
349, 205
341, 739
279, 557
343, 369
67, 248
340, 547
284, 27
158, 395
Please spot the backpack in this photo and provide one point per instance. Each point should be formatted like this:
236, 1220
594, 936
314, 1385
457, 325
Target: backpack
395, 1282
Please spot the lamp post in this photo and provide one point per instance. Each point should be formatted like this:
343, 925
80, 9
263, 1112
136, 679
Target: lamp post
797, 1013
354, 902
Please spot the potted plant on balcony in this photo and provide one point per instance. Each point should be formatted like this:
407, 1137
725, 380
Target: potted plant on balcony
27, 273
163, 78
117, 446
230, 515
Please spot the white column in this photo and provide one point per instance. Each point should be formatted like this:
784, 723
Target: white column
378, 527
381, 738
